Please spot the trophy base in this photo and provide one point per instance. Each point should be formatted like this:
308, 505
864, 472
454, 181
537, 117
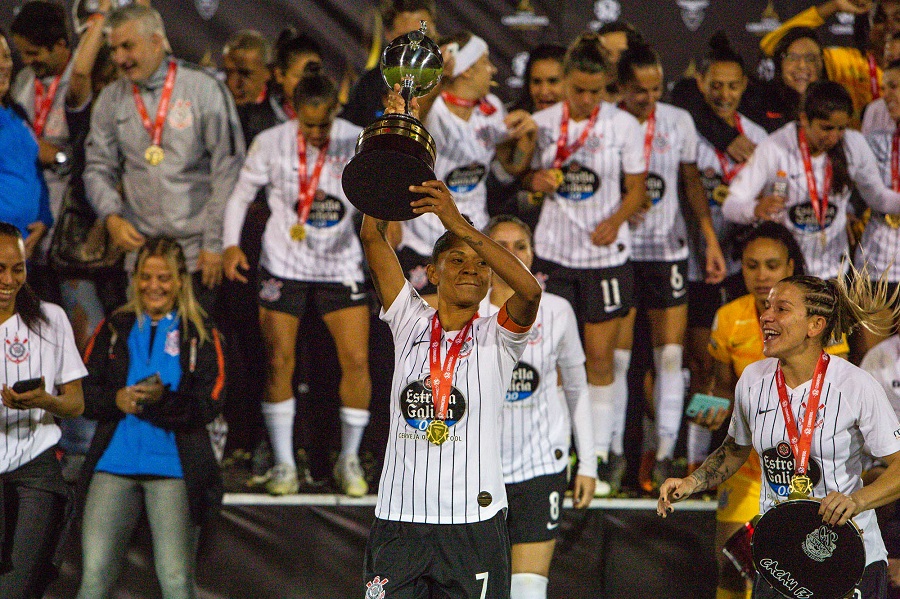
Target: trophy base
393, 153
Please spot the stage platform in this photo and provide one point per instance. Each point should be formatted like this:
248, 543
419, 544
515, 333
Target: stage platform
311, 547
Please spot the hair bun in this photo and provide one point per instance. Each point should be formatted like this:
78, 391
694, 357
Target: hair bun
286, 34
719, 42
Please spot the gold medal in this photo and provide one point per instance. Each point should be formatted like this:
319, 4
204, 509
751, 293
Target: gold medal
558, 176
892, 220
720, 193
298, 232
437, 432
800, 487
154, 155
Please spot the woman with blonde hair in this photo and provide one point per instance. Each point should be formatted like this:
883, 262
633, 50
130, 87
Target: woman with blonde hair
155, 380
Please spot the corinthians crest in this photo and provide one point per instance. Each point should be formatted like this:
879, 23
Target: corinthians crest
693, 12
820, 543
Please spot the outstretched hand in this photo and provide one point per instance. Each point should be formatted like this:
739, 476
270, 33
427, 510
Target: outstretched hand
439, 201
673, 491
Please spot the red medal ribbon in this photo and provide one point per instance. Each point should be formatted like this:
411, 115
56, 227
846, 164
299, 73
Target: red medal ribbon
729, 174
648, 138
155, 129
307, 188
895, 160
819, 203
43, 103
289, 110
873, 76
440, 393
801, 441
564, 151
483, 105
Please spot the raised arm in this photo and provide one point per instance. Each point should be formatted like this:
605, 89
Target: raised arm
387, 275
522, 307
79, 90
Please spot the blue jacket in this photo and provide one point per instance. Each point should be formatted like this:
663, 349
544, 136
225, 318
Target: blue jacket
24, 197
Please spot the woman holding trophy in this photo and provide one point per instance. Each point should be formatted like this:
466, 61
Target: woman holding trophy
310, 253
808, 416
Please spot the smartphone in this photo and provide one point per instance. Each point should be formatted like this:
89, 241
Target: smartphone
150, 380
27, 385
701, 402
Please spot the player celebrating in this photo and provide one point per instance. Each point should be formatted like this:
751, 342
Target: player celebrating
536, 425
842, 407
439, 521
310, 253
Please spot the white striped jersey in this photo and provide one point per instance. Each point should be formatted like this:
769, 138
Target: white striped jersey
880, 243
662, 234
464, 153
27, 354
592, 187
711, 174
854, 412
331, 251
537, 426
883, 363
780, 152
460, 481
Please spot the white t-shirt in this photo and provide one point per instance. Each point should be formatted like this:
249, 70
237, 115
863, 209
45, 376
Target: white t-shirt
440, 484
592, 190
780, 152
27, 354
537, 425
883, 363
854, 412
331, 252
464, 153
880, 243
662, 234
711, 174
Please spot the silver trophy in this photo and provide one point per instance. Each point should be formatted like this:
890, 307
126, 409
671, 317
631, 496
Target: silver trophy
396, 151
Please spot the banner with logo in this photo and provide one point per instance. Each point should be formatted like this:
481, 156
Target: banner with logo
678, 29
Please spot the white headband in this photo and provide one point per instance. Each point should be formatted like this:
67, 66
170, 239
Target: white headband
468, 55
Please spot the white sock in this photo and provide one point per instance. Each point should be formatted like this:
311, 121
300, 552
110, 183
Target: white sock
621, 361
528, 586
669, 397
698, 440
279, 417
602, 413
353, 425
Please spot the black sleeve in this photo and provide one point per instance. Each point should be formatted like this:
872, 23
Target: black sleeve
99, 389
686, 94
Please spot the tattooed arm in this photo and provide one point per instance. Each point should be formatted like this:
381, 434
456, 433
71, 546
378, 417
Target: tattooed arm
383, 264
717, 468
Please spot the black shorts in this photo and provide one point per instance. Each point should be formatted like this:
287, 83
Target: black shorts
704, 299
535, 506
660, 285
455, 561
413, 265
596, 294
874, 585
290, 297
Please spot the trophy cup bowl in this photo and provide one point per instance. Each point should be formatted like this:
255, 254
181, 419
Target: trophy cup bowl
396, 151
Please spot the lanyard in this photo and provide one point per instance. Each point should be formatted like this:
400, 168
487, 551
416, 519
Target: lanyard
648, 138
873, 77
729, 174
895, 160
801, 441
155, 128
564, 151
289, 110
307, 187
483, 105
442, 378
819, 203
43, 103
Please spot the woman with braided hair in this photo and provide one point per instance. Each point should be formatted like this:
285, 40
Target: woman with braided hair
802, 315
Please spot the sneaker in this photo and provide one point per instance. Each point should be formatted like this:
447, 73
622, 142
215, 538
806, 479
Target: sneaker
282, 480
348, 474
603, 488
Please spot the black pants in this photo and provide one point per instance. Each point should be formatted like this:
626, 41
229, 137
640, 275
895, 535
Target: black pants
873, 585
34, 508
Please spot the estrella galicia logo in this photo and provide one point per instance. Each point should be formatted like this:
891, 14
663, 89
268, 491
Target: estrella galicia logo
778, 468
711, 181
465, 178
579, 182
326, 211
417, 405
804, 217
656, 188
525, 381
